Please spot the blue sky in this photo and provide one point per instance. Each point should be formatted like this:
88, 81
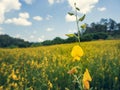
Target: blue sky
39, 20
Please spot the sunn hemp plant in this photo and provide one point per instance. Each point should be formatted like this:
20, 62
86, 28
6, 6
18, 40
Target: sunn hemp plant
81, 79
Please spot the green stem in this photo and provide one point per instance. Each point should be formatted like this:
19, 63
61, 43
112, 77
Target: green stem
77, 23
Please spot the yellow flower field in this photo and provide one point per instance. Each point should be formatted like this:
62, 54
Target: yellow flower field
46, 67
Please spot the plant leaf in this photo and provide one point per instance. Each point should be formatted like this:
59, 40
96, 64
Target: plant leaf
77, 9
82, 18
70, 13
83, 26
70, 35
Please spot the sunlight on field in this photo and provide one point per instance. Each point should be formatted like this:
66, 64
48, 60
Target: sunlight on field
46, 67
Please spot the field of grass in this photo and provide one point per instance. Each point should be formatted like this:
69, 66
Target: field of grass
46, 67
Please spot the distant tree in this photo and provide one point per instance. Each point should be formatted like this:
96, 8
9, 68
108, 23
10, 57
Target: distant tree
70, 40
100, 35
112, 25
100, 28
93, 25
103, 21
96, 28
87, 37
7, 41
57, 40
47, 42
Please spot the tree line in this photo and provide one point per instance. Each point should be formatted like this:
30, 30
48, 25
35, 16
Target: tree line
104, 29
9, 42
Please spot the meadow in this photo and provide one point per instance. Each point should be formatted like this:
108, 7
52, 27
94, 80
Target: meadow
46, 67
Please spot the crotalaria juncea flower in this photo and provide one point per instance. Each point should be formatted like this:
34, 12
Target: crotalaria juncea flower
86, 79
86, 76
77, 52
72, 71
86, 85
50, 85
13, 75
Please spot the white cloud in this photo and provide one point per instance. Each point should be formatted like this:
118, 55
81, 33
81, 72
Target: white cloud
24, 15
1, 32
7, 6
70, 18
59, 1
37, 18
41, 39
84, 5
22, 20
29, 1
48, 17
51, 2
49, 29
42, 36
32, 36
55, 1
17, 36
101, 9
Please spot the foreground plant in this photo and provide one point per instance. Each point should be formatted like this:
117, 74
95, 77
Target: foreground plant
81, 79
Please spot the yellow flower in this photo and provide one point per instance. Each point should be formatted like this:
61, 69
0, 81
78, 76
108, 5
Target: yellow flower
77, 52
86, 76
13, 75
14, 84
72, 71
1, 87
86, 85
86, 79
50, 85
116, 78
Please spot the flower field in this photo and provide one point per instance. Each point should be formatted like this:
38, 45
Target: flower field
46, 67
